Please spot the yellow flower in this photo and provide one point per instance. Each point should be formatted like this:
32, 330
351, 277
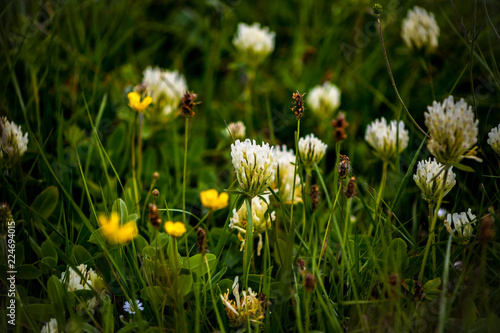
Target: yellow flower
116, 233
213, 200
176, 229
134, 101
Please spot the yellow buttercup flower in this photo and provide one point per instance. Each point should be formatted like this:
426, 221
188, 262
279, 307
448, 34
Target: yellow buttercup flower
176, 229
116, 233
213, 200
134, 101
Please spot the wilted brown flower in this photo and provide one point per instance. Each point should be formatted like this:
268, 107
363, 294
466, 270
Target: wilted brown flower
153, 216
188, 103
298, 106
350, 191
302, 265
314, 194
309, 281
343, 168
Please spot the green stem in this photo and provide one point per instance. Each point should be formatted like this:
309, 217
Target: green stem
186, 126
379, 195
134, 176
247, 258
139, 151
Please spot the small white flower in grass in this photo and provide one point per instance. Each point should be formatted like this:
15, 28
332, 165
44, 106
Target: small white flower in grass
286, 160
461, 225
324, 99
383, 138
128, 307
253, 42
261, 220
166, 88
13, 144
311, 150
245, 306
494, 139
50, 327
237, 129
255, 166
430, 179
420, 30
452, 130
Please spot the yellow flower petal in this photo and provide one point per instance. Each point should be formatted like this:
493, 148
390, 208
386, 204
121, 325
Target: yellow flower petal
114, 233
212, 200
175, 229
134, 101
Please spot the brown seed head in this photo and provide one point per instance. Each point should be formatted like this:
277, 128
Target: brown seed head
314, 196
156, 175
298, 105
155, 193
154, 216
302, 265
188, 103
393, 279
343, 168
201, 240
350, 191
309, 281
339, 125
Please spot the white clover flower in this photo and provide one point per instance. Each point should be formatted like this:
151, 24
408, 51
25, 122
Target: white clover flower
324, 99
255, 166
253, 42
382, 137
452, 130
238, 310
92, 280
494, 139
127, 307
460, 225
420, 30
13, 144
238, 130
430, 179
261, 220
286, 161
50, 327
311, 150
166, 88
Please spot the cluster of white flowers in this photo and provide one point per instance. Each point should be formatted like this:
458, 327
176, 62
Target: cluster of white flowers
452, 129
420, 30
383, 136
50, 326
430, 179
74, 282
166, 88
238, 130
13, 144
494, 139
128, 307
311, 150
242, 308
462, 225
253, 42
261, 220
255, 166
286, 160
324, 99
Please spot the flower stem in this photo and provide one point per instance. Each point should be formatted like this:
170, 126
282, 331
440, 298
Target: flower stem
134, 176
379, 195
247, 258
186, 126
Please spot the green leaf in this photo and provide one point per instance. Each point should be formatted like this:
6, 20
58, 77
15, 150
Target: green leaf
463, 167
81, 255
48, 250
397, 257
198, 264
27, 272
47, 265
186, 283
36, 248
120, 207
45, 203
431, 290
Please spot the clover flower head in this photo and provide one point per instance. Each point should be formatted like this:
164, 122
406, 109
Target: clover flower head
175, 229
324, 99
255, 166
50, 326
452, 129
13, 144
420, 30
385, 137
430, 179
128, 307
245, 305
91, 280
213, 200
311, 150
261, 220
166, 88
253, 42
494, 139
286, 164
237, 130
460, 226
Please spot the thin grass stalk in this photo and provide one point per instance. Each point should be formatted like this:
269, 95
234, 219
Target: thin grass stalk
134, 176
248, 249
186, 136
